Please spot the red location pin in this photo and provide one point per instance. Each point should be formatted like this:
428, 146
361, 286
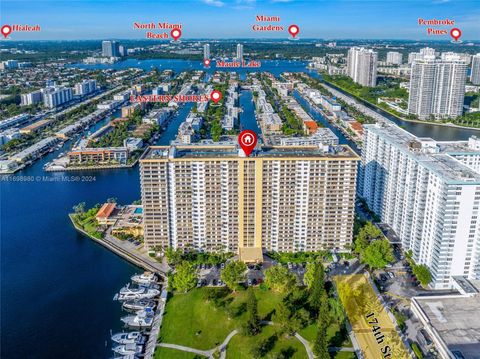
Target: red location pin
206, 62
176, 33
455, 33
293, 30
247, 140
216, 96
6, 30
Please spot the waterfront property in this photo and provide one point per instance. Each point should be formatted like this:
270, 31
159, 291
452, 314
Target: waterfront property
428, 192
279, 199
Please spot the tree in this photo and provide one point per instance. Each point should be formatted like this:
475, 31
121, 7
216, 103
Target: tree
174, 256
320, 347
378, 254
252, 326
422, 273
285, 318
185, 277
367, 234
233, 273
309, 275
337, 314
279, 278
79, 208
317, 290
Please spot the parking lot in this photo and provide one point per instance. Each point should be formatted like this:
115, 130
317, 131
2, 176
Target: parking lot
209, 274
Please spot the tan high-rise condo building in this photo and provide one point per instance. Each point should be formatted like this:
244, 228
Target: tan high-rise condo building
214, 198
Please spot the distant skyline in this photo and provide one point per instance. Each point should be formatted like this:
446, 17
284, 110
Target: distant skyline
222, 19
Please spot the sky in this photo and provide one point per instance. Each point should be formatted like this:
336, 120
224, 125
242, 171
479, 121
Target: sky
222, 19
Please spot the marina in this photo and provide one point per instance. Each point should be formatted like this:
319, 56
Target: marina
144, 320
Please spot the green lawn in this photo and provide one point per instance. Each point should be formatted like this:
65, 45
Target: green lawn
167, 353
345, 355
191, 321
335, 336
240, 346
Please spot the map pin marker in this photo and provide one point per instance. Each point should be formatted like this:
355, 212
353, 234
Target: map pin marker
176, 33
247, 140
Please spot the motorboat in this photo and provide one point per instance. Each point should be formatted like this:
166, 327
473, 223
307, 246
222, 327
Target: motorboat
144, 278
129, 338
128, 349
127, 293
143, 319
138, 304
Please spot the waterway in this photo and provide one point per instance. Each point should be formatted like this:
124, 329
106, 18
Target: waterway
317, 116
437, 132
276, 67
56, 285
247, 117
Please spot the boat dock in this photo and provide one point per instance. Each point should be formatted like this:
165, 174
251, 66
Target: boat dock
157, 323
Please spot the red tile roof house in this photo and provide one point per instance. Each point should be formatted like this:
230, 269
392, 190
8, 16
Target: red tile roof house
104, 215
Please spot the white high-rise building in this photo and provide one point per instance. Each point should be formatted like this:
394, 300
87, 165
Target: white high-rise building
206, 51
56, 96
85, 87
32, 98
239, 52
428, 192
475, 74
437, 87
426, 51
122, 50
394, 58
362, 66
110, 48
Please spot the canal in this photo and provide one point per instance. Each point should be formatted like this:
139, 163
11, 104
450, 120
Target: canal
248, 121
57, 285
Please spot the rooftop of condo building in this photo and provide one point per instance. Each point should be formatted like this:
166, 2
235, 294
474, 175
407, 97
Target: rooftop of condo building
212, 151
438, 156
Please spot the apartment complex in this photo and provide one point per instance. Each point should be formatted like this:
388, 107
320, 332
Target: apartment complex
85, 87
428, 192
213, 198
475, 72
426, 51
239, 52
206, 51
32, 98
394, 58
362, 66
437, 87
110, 48
56, 96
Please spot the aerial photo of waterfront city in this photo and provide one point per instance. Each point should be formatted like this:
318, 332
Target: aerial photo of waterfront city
240, 179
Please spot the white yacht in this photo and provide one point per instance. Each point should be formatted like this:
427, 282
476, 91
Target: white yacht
138, 304
144, 278
127, 293
128, 338
143, 319
128, 349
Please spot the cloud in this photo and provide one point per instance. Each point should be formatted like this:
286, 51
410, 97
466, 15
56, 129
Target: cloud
216, 3
274, 1
245, 4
